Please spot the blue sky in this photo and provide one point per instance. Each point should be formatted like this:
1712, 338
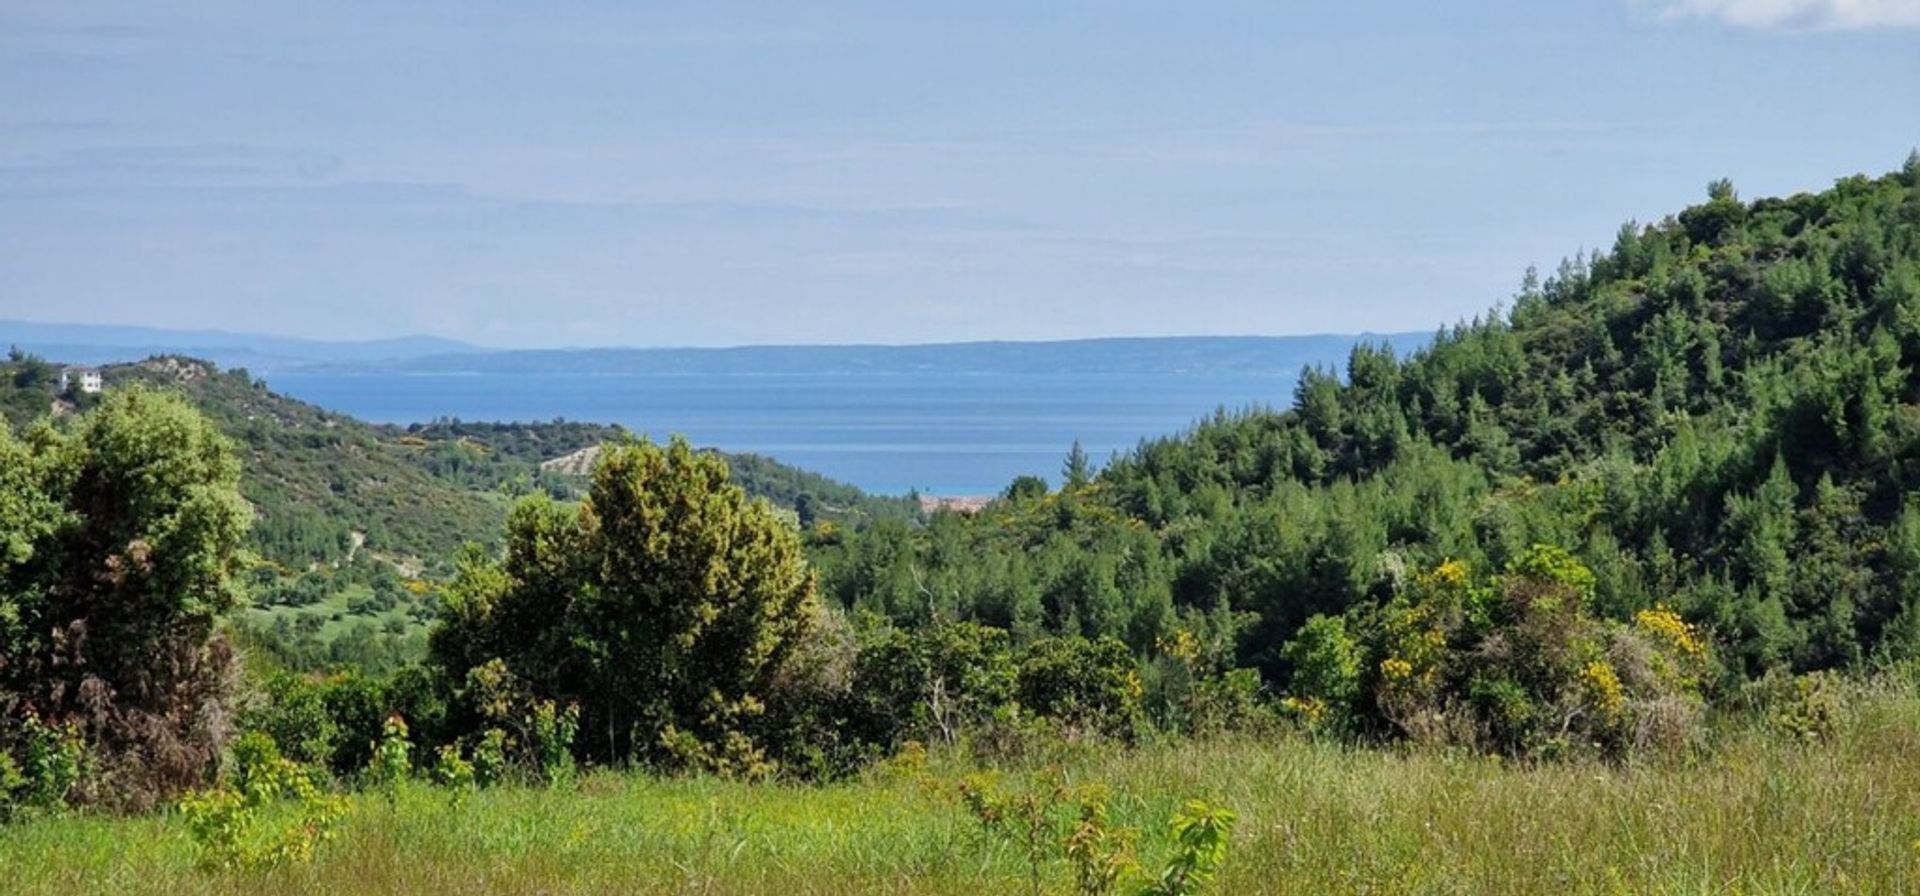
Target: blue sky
714, 173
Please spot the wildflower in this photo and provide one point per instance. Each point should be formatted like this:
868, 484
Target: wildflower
1603, 689
1311, 709
1448, 575
1667, 625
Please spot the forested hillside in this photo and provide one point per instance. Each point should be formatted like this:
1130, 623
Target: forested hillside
1719, 415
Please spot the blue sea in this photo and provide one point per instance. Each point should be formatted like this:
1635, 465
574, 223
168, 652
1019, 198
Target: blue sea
940, 433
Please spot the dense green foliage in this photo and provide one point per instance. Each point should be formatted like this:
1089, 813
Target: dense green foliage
121, 540
663, 606
1717, 416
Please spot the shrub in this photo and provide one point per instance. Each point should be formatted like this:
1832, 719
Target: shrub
1099, 853
1091, 687
550, 733
1325, 680
733, 755
453, 772
392, 760
811, 726
1806, 707
1015, 736
490, 758
663, 606
12, 782
1029, 818
1200, 836
231, 826
252, 754
51, 767
292, 711
1232, 700
933, 684
1191, 690
534, 736
134, 544
1517, 663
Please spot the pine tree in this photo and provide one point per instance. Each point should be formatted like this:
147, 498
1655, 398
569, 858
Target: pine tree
1077, 471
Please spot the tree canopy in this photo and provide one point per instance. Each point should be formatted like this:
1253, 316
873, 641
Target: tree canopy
1718, 415
120, 546
662, 604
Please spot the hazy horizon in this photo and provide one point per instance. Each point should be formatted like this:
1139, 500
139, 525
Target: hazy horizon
241, 335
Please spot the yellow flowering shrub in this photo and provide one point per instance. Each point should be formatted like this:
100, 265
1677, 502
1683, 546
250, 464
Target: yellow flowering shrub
1603, 690
1519, 661
1311, 710
1667, 626
1451, 574
1184, 646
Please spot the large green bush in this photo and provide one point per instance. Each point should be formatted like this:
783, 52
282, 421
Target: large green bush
117, 560
662, 606
1516, 662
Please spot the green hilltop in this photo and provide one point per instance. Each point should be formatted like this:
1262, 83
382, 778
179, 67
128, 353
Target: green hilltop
1720, 414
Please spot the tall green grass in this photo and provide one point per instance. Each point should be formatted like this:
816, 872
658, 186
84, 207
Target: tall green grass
1760, 814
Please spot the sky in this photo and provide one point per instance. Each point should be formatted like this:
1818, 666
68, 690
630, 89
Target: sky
716, 173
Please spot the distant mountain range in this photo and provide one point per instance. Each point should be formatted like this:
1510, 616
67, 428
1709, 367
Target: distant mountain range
89, 344
101, 344
1170, 355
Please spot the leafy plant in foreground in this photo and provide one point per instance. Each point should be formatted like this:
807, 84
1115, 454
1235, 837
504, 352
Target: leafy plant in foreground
453, 772
1200, 836
1074, 820
1100, 853
232, 827
1026, 818
392, 759
490, 757
53, 762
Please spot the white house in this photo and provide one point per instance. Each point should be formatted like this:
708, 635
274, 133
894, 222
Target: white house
86, 379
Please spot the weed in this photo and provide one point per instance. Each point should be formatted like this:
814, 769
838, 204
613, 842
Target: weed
392, 760
1200, 835
453, 772
233, 827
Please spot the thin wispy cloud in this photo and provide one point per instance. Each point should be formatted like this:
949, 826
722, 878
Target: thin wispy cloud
1797, 15
701, 38
180, 161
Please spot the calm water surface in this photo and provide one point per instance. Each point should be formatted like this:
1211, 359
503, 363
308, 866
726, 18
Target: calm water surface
948, 434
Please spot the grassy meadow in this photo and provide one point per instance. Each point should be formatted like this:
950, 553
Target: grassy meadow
1758, 814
